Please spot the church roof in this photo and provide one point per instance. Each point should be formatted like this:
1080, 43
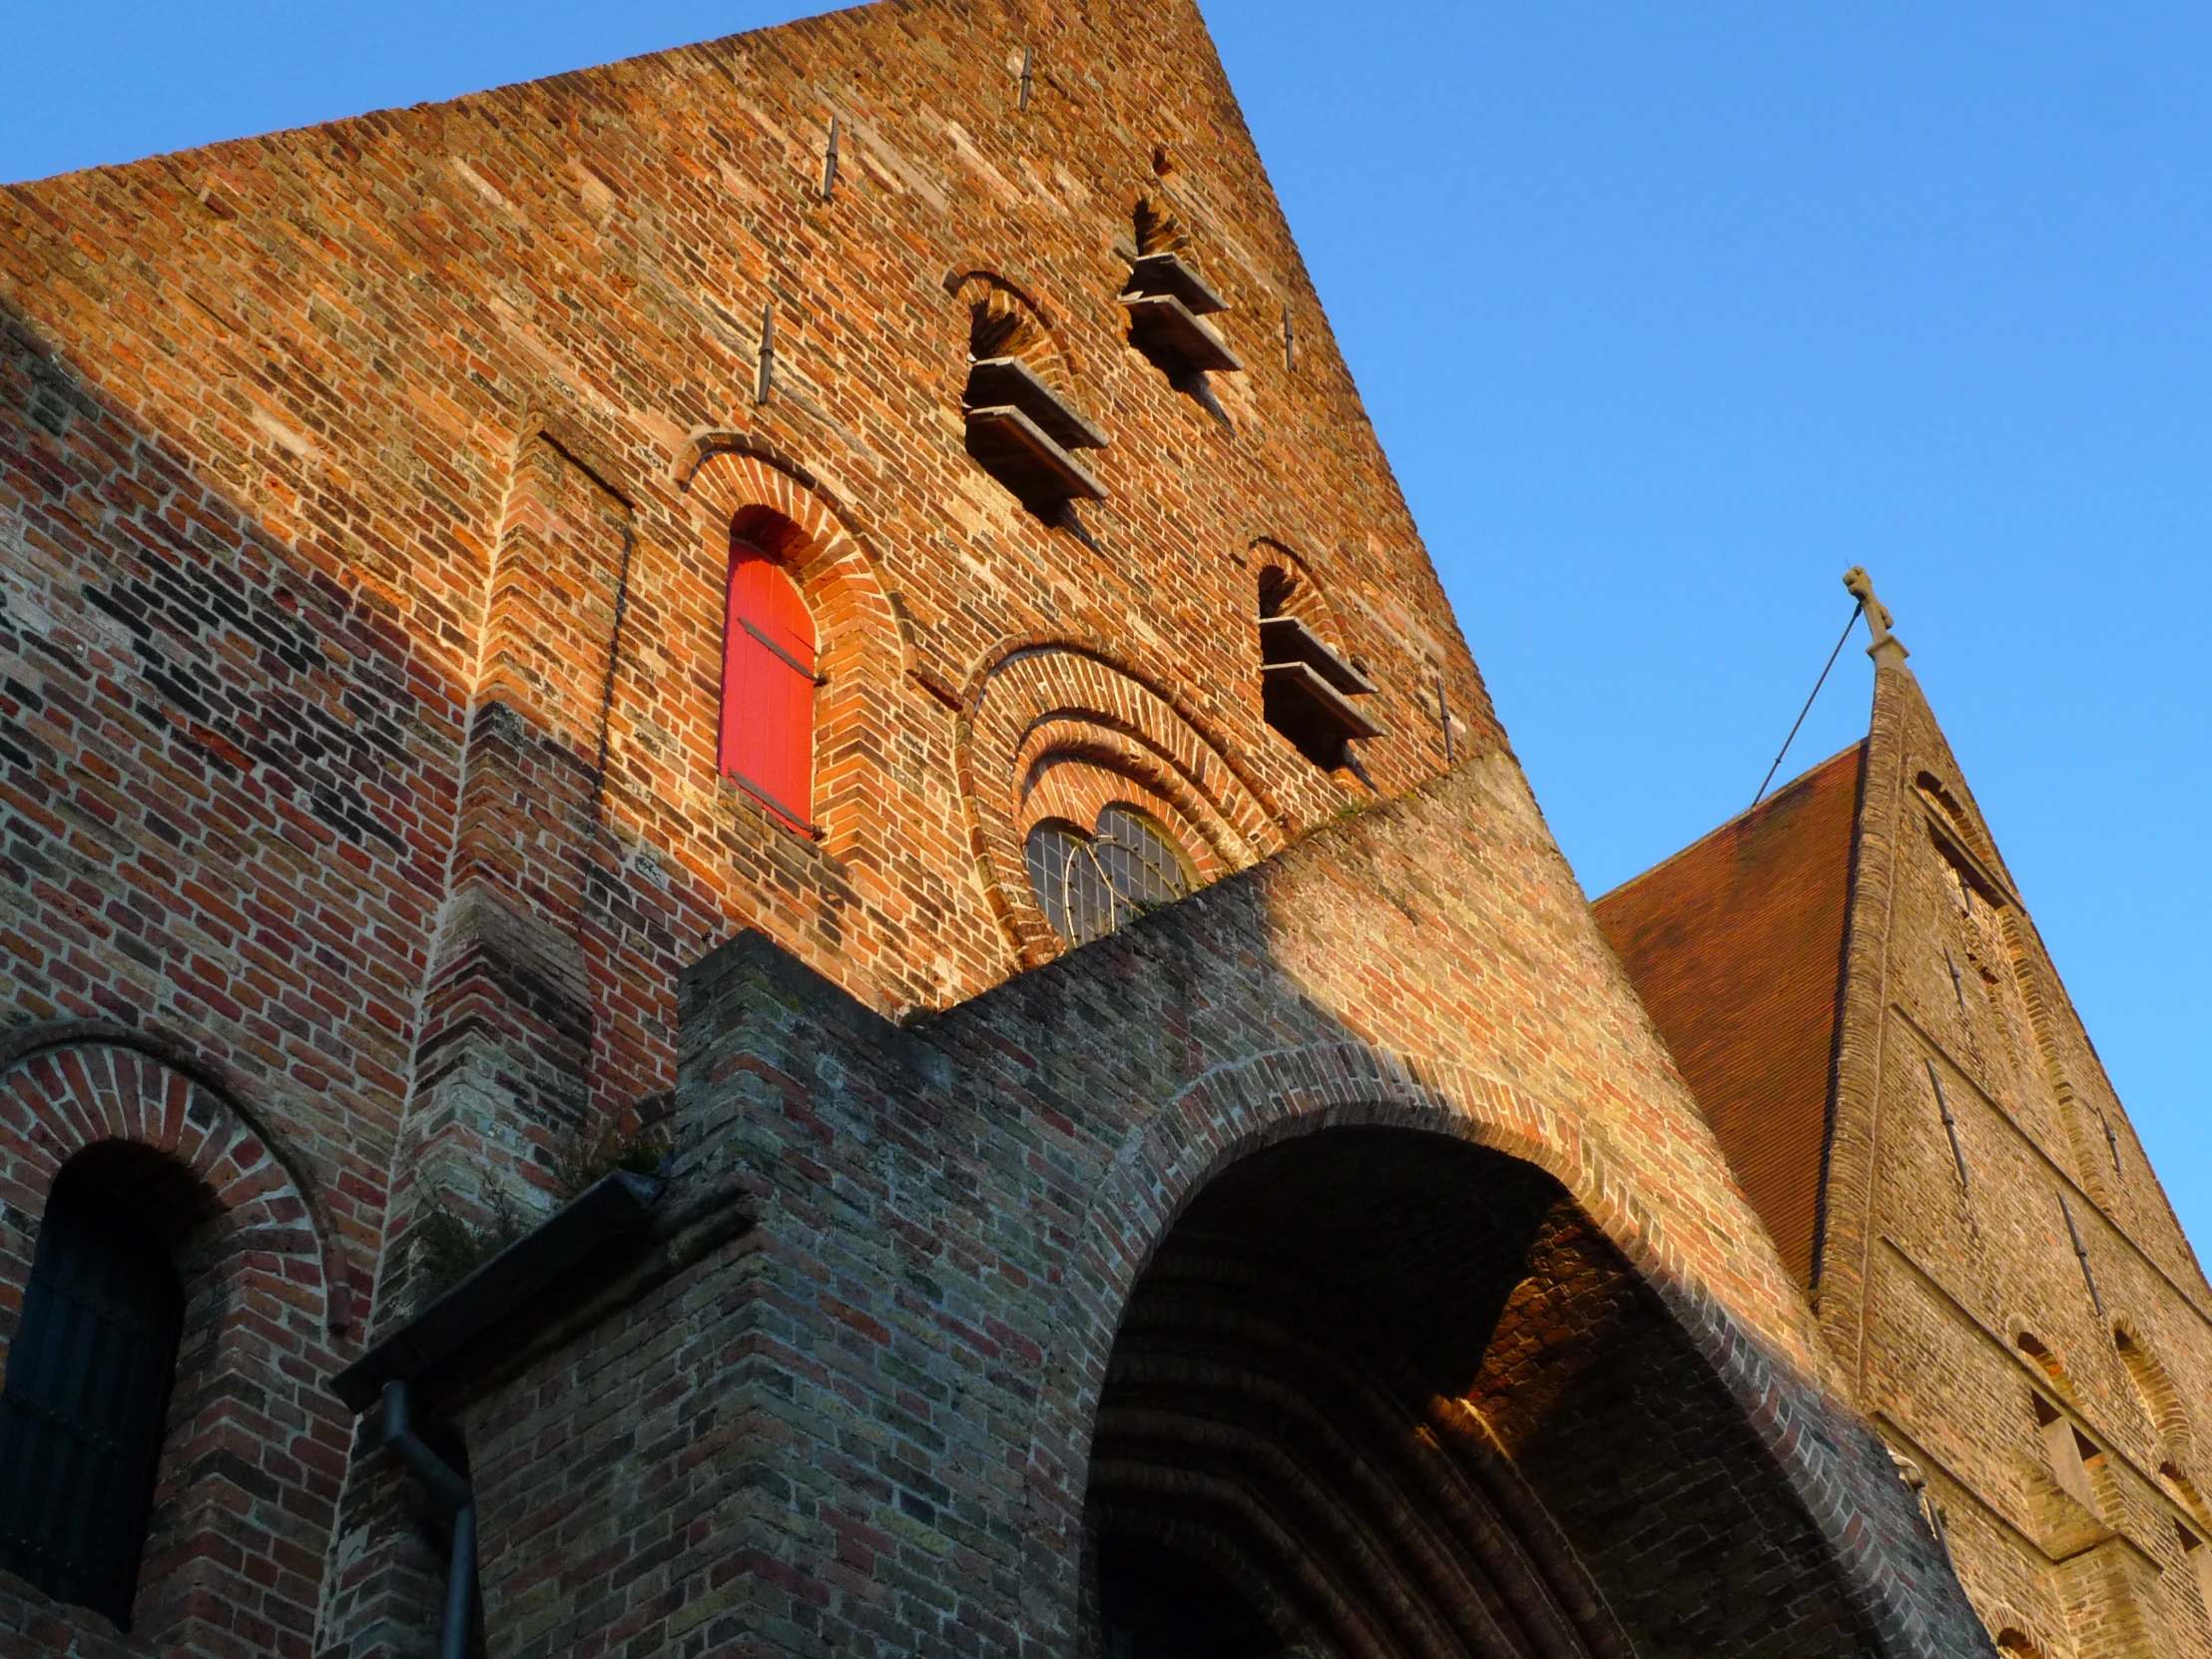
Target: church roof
1736, 946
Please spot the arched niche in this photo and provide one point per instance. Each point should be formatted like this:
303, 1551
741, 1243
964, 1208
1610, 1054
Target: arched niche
1380, 1390
259, 1277
2016, 1634
1818, 1470
2163, 1404
1285, 583
859, 652
1004, 319
1048, 723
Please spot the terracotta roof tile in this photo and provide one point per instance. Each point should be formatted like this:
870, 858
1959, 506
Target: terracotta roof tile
1736, 946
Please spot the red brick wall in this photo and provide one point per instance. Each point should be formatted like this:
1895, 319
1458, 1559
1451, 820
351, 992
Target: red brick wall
364, 497
401, 386
364, 505
255, 1445
866, 1427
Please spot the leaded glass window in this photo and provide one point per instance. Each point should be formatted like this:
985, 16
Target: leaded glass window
1089, 884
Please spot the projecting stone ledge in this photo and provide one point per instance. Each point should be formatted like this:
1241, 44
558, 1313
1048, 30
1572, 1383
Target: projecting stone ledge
1016, 451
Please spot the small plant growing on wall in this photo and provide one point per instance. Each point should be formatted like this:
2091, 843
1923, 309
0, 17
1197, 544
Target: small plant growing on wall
447, 1247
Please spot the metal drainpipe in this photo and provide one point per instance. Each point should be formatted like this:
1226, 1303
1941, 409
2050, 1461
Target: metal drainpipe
451, 1490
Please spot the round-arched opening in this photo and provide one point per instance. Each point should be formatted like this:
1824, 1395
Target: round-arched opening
138, 1186
89, 1371
1383, 1391
769, 672
1088, 882
2039, 1350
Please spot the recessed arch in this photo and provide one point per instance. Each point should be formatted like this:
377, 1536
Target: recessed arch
2041, 1354
1392, 1388
1871, 1531
59, 1100
1074, 768
1036, 706
1005, 320
860, 653
1285, 583
2163, 1403
2014, 1633
258, 1280
1154, 224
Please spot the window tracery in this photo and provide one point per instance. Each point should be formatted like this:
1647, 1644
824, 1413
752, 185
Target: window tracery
1088, 884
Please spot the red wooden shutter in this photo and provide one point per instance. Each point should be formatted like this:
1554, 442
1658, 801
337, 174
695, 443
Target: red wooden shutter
768, 687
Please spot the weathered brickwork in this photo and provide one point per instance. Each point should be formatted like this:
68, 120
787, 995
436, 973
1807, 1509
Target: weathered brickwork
256, 1443
1996, 1264
1924, 1269
888, 1387
366, 503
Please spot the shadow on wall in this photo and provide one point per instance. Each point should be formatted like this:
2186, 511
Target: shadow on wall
215, 757
1145, 1306
1384, 1390
229, 770
1146, 1260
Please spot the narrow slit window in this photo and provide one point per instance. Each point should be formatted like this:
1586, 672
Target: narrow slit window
2069, 1452
2199, 1557
87, 1392
768, 687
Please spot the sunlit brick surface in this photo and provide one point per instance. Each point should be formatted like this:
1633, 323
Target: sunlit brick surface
1861, 1001
365, 503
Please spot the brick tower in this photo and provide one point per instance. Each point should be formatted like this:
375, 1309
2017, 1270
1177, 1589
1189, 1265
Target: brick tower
1859, 1002
757, 904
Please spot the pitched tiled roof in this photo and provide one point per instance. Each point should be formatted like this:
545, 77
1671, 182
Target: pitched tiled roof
1736, 946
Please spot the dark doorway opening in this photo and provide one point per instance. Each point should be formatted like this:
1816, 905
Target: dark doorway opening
1383, 1391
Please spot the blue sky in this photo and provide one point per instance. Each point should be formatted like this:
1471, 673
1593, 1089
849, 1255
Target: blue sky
1666, 315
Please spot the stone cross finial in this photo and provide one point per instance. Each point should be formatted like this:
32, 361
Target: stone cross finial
1882, 645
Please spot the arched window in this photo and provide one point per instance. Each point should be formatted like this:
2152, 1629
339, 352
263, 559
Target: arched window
1306, 686
88, 1378
767, 677
1089, 884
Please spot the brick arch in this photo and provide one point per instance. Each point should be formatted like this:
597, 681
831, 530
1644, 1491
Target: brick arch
2162, 1401
1314, 605
250, 1459
2033, 1351
1035, 695
861, 647
59, 1100
1117, 767
994, 300
1834, 1468
2017, 1635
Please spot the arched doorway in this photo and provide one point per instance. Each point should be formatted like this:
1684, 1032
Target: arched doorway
1383, 1393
